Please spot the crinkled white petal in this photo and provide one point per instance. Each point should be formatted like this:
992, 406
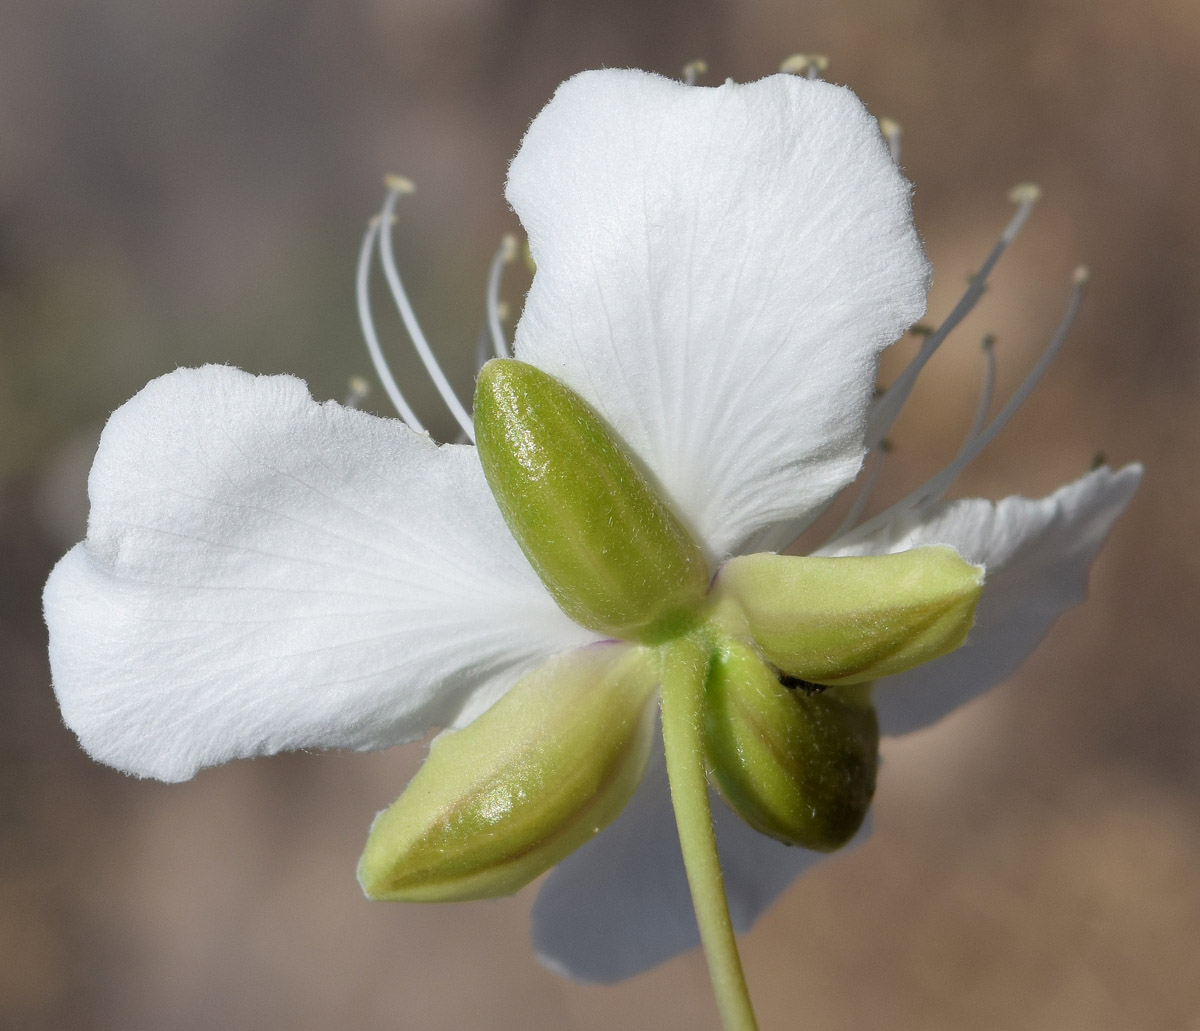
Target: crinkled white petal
263, 572
1037, 555
718, 270
620, 904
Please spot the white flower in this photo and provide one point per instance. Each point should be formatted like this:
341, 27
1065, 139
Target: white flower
718, 272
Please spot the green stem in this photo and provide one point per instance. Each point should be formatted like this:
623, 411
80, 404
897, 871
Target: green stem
685, 669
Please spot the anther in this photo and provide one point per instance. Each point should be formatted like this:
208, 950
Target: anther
357, 391
891, 132
811, 66
693, 70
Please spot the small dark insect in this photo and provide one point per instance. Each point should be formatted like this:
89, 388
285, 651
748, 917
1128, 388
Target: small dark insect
807, 686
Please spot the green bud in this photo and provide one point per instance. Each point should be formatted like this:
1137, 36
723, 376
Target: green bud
541, 772
797, 766
607, 547
851, 620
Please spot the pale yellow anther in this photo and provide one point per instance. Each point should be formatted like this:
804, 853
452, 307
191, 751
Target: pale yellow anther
693, 70
810, 65
508, 248
892, 133
399, 184
357, 391
503, 311
1025, 193
1081, 275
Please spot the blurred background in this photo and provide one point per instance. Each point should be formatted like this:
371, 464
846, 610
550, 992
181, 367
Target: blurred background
185, 183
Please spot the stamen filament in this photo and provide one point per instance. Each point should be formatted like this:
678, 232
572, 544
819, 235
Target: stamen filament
877, 459
504, 256
988, 346
937, 485
685, 670
363, 297
396, 187
887, 407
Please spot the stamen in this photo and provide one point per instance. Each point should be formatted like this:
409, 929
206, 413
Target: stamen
483, 347
504, 256
877, 459
363, 297
936, 486
357, 391
988, 346
885, 410
397, 186
693, 70
811, 66
892, 133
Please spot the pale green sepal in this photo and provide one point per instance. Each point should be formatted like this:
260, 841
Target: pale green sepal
508, 796
797, 766
608, 548
854, 619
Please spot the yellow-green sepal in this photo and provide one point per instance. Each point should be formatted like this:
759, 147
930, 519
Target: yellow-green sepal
797, 766
855, 619
538, 774
609, 550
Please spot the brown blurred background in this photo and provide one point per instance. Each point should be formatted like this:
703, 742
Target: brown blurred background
182, 183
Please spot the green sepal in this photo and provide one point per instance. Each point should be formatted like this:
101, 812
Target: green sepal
608, 548
855, 619
538, 774
797, 766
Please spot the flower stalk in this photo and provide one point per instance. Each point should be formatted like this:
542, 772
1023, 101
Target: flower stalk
685, 663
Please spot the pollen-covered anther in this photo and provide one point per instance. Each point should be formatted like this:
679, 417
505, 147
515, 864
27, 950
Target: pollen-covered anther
811, 66
357, 391
693, 70
892, 133
399, 184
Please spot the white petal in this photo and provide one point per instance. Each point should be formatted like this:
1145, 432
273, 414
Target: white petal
621, 905
718, 270
1037, 555
263, 572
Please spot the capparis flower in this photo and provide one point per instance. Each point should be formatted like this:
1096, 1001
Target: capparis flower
717, 273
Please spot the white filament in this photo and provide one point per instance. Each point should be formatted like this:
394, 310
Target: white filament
395, 189
363, 296
985, 395
937, 485
504, 256
885, 410
877, 459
